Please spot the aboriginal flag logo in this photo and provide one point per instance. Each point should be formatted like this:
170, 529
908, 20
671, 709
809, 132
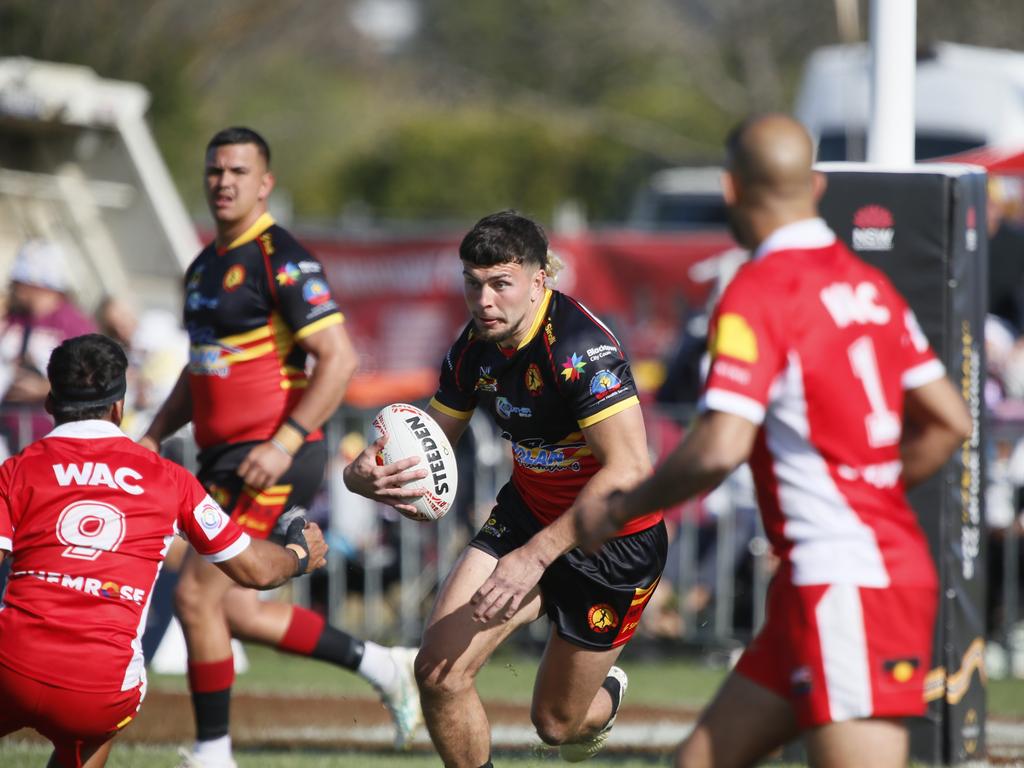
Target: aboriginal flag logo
602, 618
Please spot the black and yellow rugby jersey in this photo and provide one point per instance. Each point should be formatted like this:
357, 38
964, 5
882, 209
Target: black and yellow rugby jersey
568, 373
245, 307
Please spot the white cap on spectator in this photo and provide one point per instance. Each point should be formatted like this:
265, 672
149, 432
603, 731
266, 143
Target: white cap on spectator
41, 263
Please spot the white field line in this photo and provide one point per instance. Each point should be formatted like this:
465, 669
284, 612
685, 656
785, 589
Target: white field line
1003, 738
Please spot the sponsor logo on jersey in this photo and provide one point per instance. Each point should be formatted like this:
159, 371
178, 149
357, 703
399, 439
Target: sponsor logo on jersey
533, 453
210, 517
549, 333
534, 381
310, 267
485, 382
734, 338
882, 476
210, 359
494, 528
727, 370
506, 410
110, 590
98, 473
596, 353
854, 304
316, 292
603, 384
602, 618
901, 670
288, 274
801, 680
573, 367
196, 301
234, 277
195, 278
873, 229
268, 243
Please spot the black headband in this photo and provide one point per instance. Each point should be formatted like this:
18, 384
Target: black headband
89, 397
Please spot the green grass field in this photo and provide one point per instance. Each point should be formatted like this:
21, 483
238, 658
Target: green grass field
679, 682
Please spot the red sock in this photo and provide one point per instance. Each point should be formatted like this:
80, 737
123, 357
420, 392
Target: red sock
211, 676
303, 632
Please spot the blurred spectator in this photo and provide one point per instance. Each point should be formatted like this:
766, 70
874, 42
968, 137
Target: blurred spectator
117, 319
1006, 250
157, 349
1004, 399
40, 315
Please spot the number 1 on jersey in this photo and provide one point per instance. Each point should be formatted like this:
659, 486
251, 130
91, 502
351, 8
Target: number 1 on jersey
883, 425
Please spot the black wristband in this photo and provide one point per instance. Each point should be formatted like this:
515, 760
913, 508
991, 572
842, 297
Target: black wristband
295, 535
297, 427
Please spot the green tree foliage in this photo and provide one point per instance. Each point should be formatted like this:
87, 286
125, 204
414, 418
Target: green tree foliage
453, 165
490, 104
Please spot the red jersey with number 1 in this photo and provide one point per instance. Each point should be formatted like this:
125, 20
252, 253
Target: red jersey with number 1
89, 516
817, 348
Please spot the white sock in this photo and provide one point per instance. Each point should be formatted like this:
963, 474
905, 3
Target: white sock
377, 667
215, 751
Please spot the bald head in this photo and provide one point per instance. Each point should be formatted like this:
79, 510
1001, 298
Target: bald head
770, 180
772, 152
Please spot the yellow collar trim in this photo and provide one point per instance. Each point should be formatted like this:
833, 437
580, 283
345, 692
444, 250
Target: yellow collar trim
263, 223
538, 319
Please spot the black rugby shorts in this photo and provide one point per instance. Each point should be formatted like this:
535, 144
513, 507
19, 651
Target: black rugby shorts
595, 602
257, 511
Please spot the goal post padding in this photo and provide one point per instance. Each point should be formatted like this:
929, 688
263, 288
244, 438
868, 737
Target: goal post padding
925, 228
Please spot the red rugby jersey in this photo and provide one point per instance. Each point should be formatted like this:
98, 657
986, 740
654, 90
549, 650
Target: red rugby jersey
89, 516
817, 347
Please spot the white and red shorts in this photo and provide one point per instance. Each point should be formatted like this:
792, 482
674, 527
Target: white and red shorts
72, 720
839, 652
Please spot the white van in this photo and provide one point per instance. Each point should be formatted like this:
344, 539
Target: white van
966, 97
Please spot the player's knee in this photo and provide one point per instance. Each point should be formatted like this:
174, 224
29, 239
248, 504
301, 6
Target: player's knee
691, 753
552, 729
438, 677
189, 604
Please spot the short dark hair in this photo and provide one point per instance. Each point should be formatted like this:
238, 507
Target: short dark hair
87, 376
505, 237
238, 134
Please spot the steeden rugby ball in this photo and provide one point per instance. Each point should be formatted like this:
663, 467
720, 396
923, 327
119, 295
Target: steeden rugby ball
411, 432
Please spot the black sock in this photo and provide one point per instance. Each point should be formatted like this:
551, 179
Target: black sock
614, 689
212, 712
488, 764
339, 648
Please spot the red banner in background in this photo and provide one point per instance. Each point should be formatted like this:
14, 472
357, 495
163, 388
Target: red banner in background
402, 297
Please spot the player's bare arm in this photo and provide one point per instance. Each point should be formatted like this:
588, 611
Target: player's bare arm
383, 482
336, 361
174, 414
265, 565
619, 443
936, 422
713, 447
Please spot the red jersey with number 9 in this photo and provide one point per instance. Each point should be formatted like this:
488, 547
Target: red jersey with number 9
817, 348
89, 516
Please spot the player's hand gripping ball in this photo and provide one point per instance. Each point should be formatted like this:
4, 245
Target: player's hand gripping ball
411, 432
